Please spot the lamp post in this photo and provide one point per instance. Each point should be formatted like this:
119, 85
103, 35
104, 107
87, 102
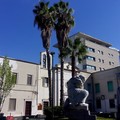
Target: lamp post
52, 54
118, 96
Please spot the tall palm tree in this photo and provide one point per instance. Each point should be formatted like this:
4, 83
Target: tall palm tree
75, 49
64, 22
45, 22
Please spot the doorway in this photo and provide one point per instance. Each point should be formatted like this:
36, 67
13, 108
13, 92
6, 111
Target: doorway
28, 106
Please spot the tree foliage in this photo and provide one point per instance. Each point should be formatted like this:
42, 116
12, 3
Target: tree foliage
59, 16
7, 80
75, 49
64, 21
45, 21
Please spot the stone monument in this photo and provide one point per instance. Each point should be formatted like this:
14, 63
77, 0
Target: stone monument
75, 106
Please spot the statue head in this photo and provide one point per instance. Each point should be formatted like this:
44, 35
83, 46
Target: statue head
77, 82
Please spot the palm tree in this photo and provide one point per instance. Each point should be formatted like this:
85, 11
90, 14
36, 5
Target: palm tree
75, 49
64, 22
45, 22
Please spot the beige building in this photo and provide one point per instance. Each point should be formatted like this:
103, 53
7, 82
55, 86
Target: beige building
100, 56
105, 85
22, 100
30, 94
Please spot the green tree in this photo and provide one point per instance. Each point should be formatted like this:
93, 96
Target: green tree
75, 49
7, 81
45, 22
64, 22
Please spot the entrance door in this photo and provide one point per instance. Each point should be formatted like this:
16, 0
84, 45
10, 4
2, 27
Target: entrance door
28, 108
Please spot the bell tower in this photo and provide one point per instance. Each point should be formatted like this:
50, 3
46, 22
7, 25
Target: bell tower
43, 60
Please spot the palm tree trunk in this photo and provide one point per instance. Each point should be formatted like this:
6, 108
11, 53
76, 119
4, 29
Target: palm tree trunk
73, 65
62, 82
49, 77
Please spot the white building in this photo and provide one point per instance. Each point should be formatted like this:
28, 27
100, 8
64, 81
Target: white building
30, 93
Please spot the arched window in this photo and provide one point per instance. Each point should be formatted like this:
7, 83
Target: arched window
44, 61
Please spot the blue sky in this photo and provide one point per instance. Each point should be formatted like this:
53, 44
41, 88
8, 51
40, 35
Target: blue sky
21, 40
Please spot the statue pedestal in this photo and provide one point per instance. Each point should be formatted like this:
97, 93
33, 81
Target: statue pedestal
81, 114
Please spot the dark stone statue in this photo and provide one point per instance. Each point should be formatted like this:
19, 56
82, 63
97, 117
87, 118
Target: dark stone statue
75, 106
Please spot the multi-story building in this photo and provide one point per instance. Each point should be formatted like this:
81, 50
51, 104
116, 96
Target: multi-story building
100, 54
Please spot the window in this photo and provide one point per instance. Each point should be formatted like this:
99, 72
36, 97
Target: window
44, 61
45, 82
98, 103
109, 63
97, 88
15, 76
102, 61
99, 60
103, 68
29, 79
110, 86
90, 49
112, 63
112, 103
90, 58
111, 55
12, 104
98, 51
89, 67
102, 52
89, 87
100, 68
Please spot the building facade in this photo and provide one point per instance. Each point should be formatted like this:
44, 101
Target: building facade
22, 99
105, 85
100, 55
30, 94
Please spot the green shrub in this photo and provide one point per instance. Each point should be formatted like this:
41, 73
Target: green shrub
57, 111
